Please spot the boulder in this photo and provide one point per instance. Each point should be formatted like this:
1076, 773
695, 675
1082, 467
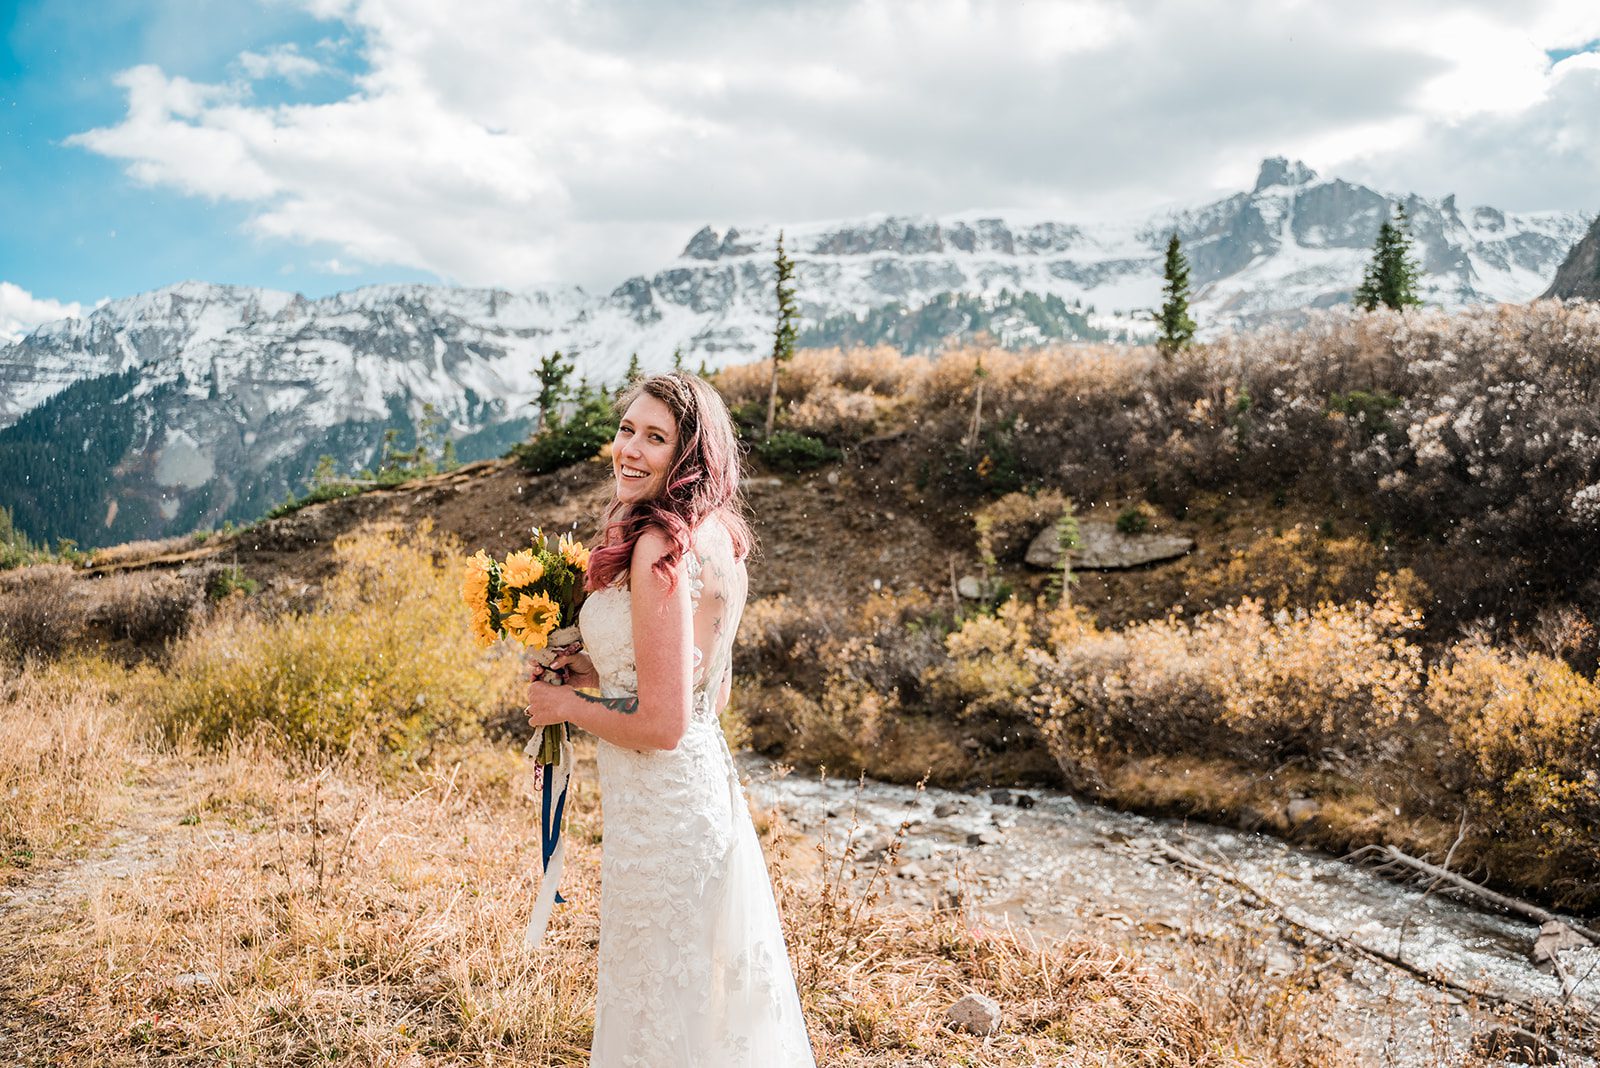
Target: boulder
945, 809
970, 587
1555, 936
1102, 547
975, 1013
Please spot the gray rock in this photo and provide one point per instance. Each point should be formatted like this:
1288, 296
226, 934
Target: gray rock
1000, 797
975, 1013
981, 838
1555, 936
970, 587
1025, 800
945, 809
912, 870
1102, 547
1301, 809
1278, 963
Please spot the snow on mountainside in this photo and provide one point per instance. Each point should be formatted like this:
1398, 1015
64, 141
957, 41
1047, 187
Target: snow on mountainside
233, 392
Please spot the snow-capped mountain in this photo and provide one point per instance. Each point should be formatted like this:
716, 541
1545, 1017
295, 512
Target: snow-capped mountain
203, 402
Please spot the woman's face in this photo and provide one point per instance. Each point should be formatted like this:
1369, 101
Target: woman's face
642, 451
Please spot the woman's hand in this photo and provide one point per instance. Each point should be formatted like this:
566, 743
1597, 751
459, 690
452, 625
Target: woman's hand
545, 704
580, 670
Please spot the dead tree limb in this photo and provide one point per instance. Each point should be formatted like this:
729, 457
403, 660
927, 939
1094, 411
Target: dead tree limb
1185, 859
1391, 855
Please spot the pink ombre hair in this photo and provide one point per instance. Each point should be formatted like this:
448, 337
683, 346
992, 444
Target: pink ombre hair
702, 480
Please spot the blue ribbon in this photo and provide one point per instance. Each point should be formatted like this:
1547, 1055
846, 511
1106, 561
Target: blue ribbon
550, 820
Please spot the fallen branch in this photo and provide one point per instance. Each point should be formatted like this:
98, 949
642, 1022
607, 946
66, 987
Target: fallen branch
1391, 855
1283, 913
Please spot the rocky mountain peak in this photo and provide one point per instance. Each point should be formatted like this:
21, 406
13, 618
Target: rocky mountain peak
1578, 277
1276, 170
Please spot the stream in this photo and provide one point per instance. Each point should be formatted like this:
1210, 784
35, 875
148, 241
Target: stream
1064, 867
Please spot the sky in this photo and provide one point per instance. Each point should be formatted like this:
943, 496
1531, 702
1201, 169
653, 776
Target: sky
321, 145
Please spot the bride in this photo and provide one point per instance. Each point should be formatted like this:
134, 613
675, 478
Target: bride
693, 970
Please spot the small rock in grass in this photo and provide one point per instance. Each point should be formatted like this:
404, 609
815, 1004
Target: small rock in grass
975, 1013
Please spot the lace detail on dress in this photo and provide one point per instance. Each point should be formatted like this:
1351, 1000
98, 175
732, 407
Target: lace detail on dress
693, 970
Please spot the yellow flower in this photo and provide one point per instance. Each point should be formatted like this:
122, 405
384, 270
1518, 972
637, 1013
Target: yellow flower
522, 569
475, 579
536, 615
573, 552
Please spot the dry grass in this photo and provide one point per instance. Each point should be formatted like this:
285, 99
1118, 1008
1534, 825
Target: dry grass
297, 912
314, 914
137, 552
67, 741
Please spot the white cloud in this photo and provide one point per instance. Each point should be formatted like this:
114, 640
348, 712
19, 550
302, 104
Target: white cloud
515, 142
281, 61
21, 311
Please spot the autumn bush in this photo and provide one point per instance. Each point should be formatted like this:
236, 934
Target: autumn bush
1527, 731
386, 663
845, 686
1477, 431
1255, 687
147, 608
39, 616
1005, 527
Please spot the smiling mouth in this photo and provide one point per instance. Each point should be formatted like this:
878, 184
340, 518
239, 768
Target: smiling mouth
633, 472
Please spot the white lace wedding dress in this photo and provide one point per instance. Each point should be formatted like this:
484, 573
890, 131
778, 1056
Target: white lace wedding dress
693, 967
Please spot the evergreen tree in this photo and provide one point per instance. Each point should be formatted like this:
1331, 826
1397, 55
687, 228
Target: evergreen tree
1391, 278
784, 333
1176, 327
634, 372
552, 375
677, 359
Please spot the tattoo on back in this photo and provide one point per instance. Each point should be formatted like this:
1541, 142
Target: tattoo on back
626, 705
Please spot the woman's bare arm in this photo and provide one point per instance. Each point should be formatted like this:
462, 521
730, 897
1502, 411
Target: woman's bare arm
658, 715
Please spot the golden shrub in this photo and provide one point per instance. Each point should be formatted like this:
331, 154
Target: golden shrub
388, 662
1298, 566
833, 414
1006, 526
1529, 727
988, 662
1238, 682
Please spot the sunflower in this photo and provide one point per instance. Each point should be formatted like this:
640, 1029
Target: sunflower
522, 569
573, 552
535, 616
475, 579
482, 628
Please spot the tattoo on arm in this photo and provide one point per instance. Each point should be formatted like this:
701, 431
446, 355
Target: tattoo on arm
626, 705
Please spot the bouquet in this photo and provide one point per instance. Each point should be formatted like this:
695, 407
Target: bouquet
532, 596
